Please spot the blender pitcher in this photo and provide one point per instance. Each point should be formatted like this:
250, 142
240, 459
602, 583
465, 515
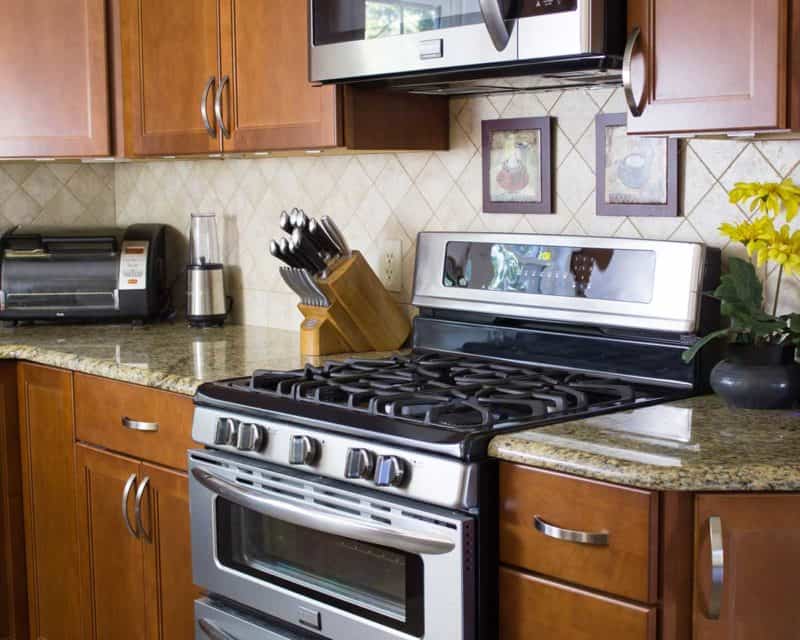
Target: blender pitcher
207, 304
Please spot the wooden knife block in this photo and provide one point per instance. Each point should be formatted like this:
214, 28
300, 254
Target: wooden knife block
362, 315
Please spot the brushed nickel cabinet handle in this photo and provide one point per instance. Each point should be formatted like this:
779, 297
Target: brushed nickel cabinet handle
495, 22
218, 107
138, 425
627, 68
717, 567
126, 492
212, 631
137, 509
599, 539
210, 128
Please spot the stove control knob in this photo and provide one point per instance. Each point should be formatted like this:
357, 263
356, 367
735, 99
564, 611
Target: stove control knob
226, 431
251, 437
303, 450
390, 471
360, 464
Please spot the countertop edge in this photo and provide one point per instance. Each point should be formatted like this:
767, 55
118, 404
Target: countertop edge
100, 367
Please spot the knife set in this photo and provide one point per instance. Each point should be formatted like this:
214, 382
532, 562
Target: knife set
345, 305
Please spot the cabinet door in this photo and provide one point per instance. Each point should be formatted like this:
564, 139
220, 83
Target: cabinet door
170, 53
48, 480
760, 580
169, 592
112, 564
54, 78
268, 101
716, 65
13, 602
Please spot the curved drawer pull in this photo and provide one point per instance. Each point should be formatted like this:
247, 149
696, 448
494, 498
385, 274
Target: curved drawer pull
126, 492
717, 567
599, 539
138, 425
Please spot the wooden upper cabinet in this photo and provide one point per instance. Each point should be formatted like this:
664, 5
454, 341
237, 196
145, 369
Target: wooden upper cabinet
269, 102
170, 62
760, 549
48, 478
54, 78
710, 66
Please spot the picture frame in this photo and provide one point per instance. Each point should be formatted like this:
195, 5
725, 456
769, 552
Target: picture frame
636, 176
517, 165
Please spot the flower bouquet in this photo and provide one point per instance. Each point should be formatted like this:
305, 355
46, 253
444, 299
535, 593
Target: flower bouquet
760, 370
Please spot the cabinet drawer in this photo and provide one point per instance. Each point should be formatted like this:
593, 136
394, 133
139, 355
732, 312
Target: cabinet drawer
620, 558
108, 413
532, 607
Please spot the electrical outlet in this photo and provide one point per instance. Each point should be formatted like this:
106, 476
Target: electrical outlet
392, 265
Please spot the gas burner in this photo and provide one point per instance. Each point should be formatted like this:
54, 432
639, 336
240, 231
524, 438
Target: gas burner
450, 392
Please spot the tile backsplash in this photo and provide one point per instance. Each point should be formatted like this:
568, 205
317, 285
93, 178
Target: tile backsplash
379, 197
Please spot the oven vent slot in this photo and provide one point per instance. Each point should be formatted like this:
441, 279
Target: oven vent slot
428, 519
336, 507
381, 519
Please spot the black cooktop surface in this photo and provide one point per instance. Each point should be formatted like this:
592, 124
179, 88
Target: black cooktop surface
430, 400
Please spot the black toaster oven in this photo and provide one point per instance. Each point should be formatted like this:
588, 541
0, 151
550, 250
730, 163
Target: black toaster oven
83, 274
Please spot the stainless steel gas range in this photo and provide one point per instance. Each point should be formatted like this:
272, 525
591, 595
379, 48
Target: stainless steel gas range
355, 500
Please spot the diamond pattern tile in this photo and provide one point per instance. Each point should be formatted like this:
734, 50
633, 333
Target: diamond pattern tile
377, 197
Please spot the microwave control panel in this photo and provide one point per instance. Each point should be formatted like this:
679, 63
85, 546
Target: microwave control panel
531, 8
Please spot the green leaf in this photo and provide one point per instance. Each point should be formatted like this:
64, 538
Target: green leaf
690, 353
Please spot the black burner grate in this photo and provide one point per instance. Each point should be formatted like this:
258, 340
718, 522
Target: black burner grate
451, 392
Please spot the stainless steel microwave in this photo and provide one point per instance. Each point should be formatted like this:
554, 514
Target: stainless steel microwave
417, 43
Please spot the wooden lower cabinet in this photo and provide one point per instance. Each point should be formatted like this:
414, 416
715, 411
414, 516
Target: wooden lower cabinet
533, 607
112, 568
13, 599
47, 428
168, 589
136, 574
760, 582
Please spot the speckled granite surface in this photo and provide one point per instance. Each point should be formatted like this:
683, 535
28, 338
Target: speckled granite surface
690, 445
166, 356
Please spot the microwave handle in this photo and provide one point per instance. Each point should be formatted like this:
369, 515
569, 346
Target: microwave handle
303, 516
496, 23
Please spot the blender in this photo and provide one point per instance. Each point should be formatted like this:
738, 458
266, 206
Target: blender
206, 302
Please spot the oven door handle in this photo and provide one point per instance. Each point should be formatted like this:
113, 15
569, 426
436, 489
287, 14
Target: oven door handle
325, 522
212, 631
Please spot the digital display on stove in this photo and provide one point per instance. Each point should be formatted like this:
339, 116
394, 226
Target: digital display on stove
623, 275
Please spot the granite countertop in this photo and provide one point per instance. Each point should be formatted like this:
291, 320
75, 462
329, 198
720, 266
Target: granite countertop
690, 445
170, 356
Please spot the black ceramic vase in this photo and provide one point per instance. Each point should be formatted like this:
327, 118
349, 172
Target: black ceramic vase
765, 377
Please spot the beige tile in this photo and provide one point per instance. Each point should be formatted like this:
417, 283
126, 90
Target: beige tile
750, 166
7, 185
434, 182
575, 112
413, 212
20, 208
19, 171
717, 155
712, 211
461, 151
393, 181
42, 185
455, 212
575, 181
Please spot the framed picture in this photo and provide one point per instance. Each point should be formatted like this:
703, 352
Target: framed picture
636, 176
517, 169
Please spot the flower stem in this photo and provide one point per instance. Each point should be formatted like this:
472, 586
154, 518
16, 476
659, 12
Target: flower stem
777, 292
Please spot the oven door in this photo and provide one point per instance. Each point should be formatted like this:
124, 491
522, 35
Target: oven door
356, 39
329, 558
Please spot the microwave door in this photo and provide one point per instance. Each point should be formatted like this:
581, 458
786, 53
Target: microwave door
359, 39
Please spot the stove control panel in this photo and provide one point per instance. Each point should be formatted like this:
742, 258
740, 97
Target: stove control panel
383, 466
390, 471
359, 464
303, 450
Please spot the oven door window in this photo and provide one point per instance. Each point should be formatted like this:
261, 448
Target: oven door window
357, 20
378, 583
